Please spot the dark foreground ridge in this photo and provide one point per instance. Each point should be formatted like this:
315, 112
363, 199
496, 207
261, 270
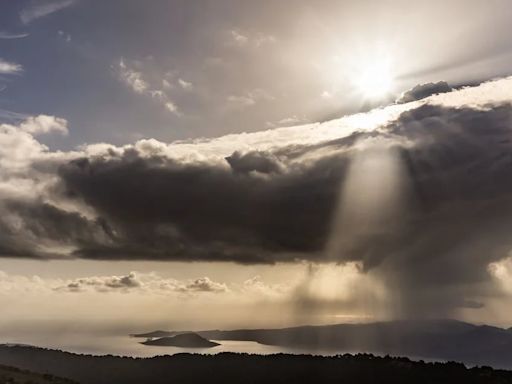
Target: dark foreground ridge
185, 340
227, 368
11, 375
446, 340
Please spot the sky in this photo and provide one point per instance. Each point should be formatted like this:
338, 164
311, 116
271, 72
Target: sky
187, 165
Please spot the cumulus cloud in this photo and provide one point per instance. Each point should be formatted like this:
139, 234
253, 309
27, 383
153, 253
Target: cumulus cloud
142, 282
133, 282
9, 68
417, 194
204, 285
44, 124
421, 91
38, 9
103, 283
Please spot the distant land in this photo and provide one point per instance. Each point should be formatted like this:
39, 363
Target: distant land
155, 334
230, 368
184, 340
430, 339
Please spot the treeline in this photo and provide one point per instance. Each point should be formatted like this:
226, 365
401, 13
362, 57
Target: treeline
229, 368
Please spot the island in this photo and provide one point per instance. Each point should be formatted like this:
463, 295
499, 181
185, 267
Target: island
184, 340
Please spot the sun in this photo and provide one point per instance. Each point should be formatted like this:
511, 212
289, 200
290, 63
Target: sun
374, 81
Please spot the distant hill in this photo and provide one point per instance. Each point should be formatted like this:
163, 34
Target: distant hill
430, 339
154, 334
229, 368
185, 340
11, 375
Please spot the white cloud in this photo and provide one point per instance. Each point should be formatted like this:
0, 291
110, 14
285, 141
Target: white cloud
140, 282
171, 107
185, 84
9, 36
40, 9
44, 124
134, 79
9, 68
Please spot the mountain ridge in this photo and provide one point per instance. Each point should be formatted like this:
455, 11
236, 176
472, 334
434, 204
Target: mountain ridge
442, 339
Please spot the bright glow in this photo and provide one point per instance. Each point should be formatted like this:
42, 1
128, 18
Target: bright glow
374, 81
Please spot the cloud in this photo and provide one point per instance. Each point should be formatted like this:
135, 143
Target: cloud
185, 84
134, 79
288, 121
44, 124
64, 35
421, 91
10, 36
149, 282
249, 99
204, 285
37, 10
417, 195
171, 107
134, 282
103, 284
9, 68
238, 38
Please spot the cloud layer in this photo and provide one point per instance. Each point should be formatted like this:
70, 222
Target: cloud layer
418, 191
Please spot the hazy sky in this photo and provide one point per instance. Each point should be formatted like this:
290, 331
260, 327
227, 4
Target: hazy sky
191, 163
123, 70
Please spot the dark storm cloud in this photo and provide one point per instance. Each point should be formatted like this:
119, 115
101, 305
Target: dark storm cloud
253, 162
422, 91
279, 203
459, 168
28, 227
160, 208
458, 164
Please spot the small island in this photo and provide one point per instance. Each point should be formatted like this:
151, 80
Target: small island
184, 340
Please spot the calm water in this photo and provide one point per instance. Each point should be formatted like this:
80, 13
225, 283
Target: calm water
124, 345
129, 346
